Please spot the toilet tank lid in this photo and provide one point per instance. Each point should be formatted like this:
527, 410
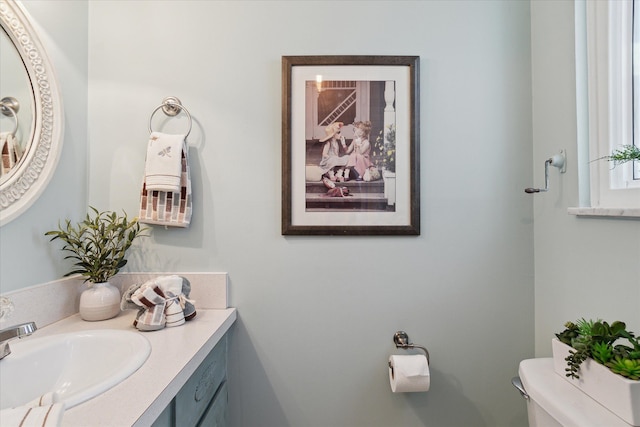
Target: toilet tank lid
563, 401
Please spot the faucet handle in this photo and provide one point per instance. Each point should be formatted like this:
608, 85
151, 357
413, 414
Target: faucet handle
6, 308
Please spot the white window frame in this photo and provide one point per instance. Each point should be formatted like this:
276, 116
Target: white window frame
610, 109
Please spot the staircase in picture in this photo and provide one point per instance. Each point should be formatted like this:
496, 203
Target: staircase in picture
363, 196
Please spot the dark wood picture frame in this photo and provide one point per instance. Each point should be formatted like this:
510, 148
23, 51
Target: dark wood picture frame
385, 91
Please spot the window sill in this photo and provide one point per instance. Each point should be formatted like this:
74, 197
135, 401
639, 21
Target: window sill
631, 213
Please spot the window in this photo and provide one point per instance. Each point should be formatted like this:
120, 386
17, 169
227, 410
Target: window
612, 81
635, 57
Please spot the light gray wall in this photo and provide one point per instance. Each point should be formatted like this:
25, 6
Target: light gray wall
584, 267
312, 340
26, 258
317, 314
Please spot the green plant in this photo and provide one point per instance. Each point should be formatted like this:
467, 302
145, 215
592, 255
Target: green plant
596, 339
98, 244
570, 332
585, 326
626, 153
385, 147
629, 368
602, 352
579, 354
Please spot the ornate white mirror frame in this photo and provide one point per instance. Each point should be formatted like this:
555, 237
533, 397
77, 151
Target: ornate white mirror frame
35, 170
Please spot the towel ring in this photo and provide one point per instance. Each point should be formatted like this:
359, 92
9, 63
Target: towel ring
171, 106
9, 106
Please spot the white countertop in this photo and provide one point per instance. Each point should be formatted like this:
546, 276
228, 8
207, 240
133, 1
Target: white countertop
175, 355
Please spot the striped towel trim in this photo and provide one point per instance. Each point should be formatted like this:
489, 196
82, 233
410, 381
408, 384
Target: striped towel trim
40, 412
171, 209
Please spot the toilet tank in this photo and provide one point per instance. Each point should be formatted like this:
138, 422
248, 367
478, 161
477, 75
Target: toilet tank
553, 401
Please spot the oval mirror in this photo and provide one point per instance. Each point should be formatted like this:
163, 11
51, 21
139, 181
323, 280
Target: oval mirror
16, 119
32, 126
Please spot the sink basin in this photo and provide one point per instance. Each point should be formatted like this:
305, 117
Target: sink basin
77, 365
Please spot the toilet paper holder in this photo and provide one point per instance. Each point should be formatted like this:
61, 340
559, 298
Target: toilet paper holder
401, 339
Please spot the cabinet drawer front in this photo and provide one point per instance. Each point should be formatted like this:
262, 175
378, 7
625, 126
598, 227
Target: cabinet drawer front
216, 415
195, 396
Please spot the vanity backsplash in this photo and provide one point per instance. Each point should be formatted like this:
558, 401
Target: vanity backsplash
53, 301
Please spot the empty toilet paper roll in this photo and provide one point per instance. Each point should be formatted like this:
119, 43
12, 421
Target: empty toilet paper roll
409, 373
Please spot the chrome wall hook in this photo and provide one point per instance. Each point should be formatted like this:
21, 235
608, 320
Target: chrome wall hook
401, 340
557, 160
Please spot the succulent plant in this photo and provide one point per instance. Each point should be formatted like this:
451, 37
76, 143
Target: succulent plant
585, 327
596, 339
570, 332
574, 360
602, 352
629, 368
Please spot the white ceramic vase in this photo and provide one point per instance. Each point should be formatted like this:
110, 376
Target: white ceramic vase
100, 302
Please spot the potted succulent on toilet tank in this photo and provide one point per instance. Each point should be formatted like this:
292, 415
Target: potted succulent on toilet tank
602, 360
600, 341
98, 246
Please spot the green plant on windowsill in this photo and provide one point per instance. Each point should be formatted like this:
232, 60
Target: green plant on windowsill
98, 244
601, 342
624, 154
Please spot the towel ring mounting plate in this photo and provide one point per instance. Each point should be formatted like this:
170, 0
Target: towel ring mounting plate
172, 106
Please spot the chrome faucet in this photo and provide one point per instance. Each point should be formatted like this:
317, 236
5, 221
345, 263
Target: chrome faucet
14, 332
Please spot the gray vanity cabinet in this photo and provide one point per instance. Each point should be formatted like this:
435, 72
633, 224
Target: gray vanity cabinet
202, 401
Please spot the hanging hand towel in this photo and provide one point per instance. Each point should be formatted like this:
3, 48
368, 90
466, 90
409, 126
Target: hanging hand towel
41, 412
168, 208
11, 152
163, 166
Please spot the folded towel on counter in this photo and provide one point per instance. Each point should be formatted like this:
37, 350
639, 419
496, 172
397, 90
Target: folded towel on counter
172, 287
41, 412
153, 302
163, 167
161, 302
126, 303
179, 287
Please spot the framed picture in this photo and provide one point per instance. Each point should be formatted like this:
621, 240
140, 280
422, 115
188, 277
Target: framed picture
350, 145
